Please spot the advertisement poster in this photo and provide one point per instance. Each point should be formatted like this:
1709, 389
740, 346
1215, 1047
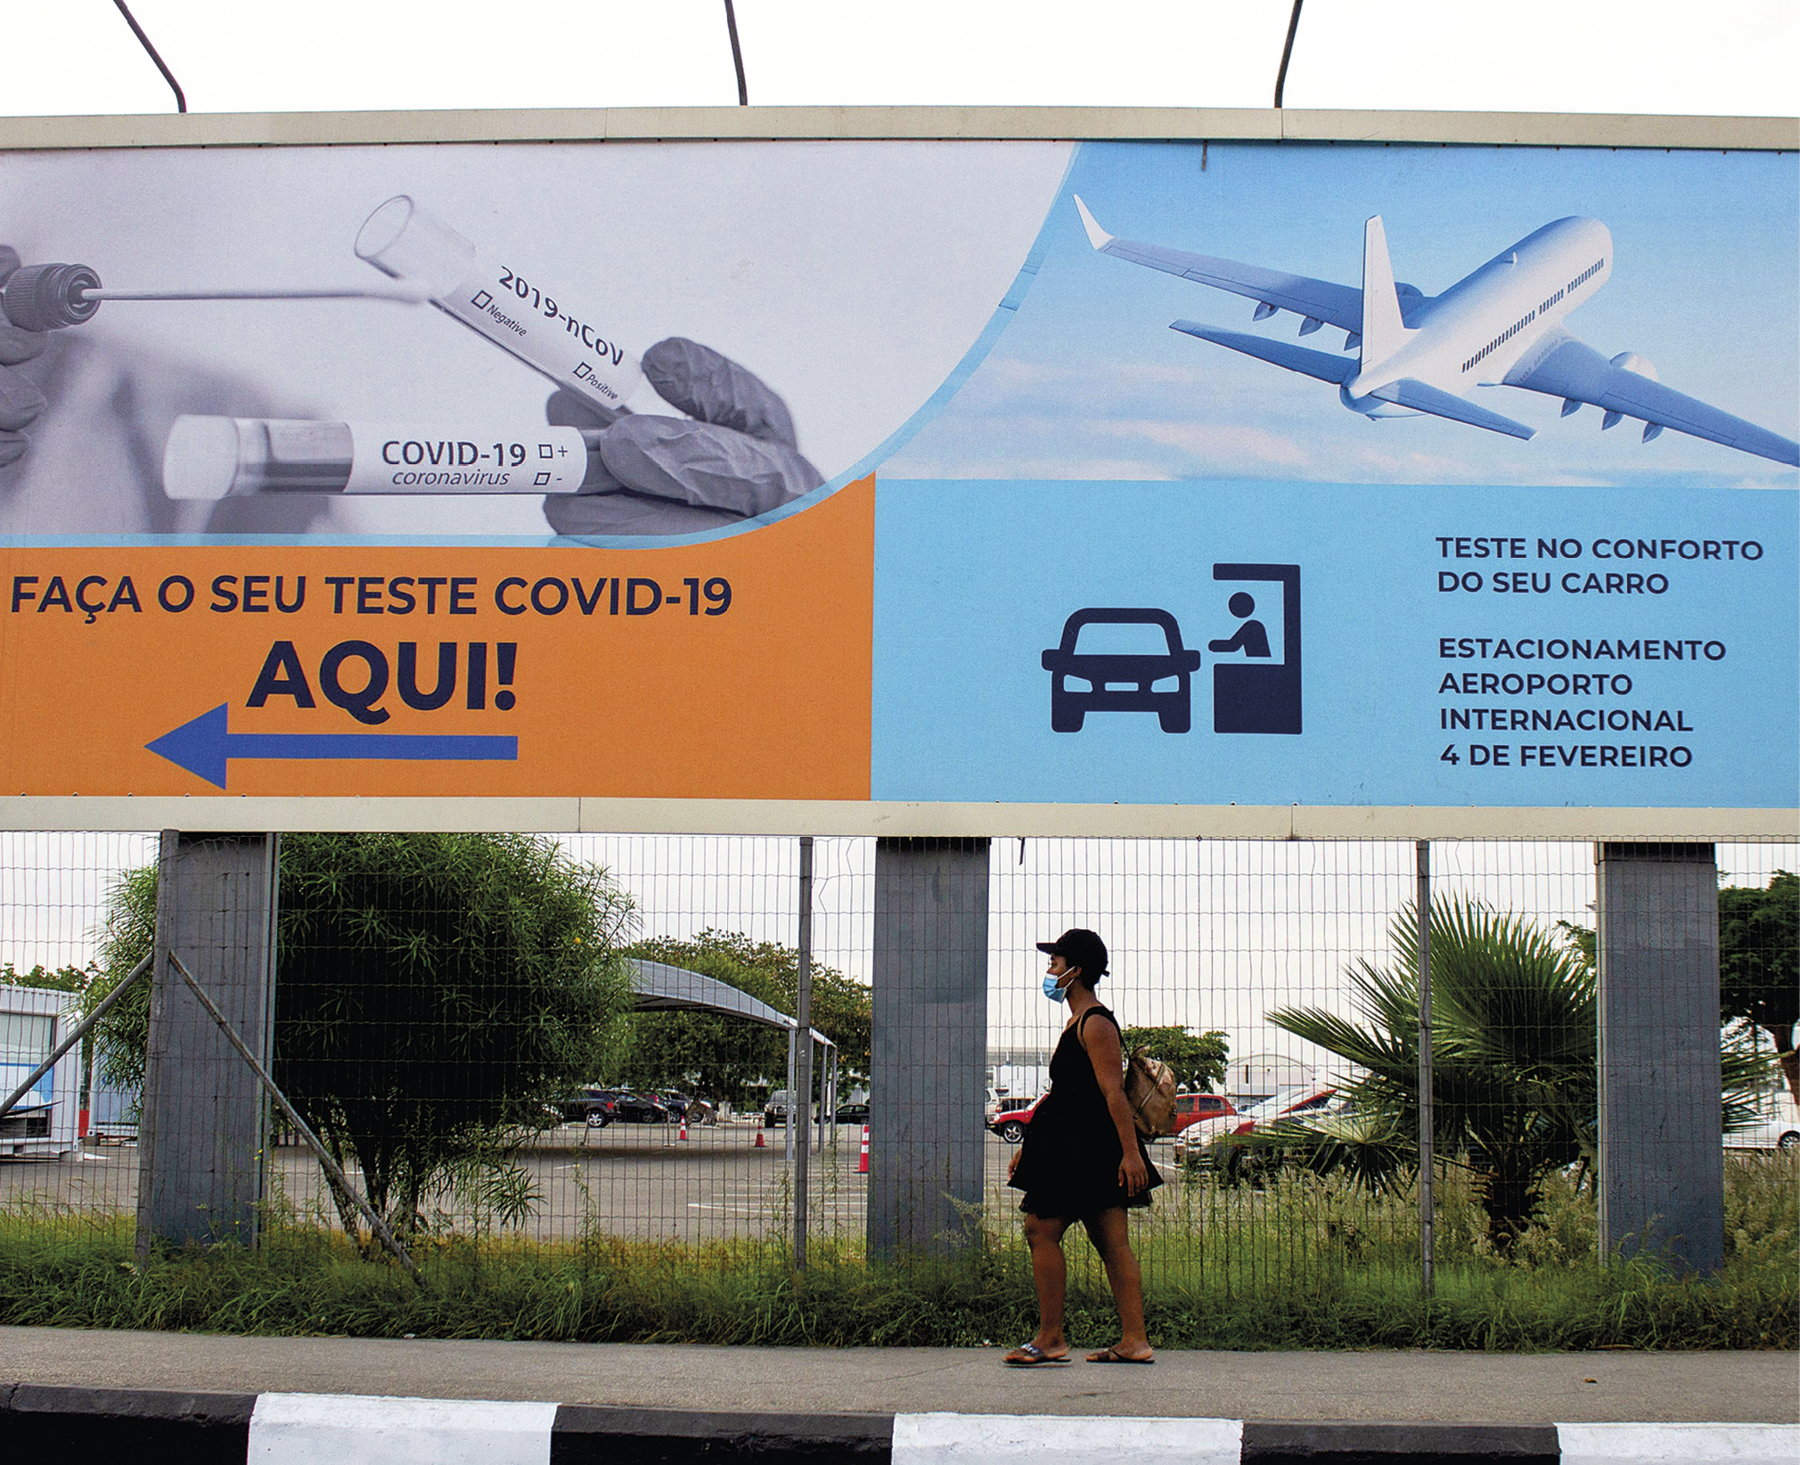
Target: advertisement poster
931, 472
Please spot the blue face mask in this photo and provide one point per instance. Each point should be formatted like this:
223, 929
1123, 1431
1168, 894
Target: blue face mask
1053, 990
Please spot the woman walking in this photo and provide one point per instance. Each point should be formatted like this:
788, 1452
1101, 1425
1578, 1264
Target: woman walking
1082, 1160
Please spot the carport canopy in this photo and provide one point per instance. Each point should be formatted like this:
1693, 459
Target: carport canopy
658, 987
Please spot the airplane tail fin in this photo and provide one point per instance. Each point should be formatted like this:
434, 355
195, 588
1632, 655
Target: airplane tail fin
1382, 328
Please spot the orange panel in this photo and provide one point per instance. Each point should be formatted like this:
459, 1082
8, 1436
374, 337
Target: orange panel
767, 699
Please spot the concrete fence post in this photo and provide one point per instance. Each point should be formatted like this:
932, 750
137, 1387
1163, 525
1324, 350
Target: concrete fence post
1662, 1167
201, 1133
929, 1061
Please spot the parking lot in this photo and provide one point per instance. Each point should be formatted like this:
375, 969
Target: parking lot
640, 1181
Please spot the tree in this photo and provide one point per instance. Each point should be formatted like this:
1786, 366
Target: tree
1514, 1085
1197, 1060
1514, 1055
433, 992
1759, 963
63, 979
126, 936
718, 1055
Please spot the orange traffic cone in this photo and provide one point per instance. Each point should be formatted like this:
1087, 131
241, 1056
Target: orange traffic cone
759, 1145
862, 1160
683, 1134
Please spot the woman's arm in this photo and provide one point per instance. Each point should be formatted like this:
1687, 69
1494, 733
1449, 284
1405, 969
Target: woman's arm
1103, 1051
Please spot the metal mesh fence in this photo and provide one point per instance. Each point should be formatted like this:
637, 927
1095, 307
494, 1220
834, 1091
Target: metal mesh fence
531, 1104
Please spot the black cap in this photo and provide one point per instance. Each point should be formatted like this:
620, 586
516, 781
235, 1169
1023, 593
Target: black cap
1080, 948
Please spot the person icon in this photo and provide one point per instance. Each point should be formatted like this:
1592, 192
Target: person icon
1250, 638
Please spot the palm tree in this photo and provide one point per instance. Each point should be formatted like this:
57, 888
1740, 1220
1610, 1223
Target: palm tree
1514, 1060
1514, 1049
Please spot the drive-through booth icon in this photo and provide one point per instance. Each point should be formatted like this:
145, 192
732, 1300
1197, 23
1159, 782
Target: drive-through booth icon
1132, 659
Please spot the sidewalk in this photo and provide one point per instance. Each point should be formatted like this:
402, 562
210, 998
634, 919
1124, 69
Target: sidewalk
845, 1401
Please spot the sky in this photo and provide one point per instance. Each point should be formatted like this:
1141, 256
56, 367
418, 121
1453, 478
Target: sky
1732, 57
1090, 383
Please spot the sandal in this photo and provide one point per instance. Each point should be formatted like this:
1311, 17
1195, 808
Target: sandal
1112, 1355
1034, 1356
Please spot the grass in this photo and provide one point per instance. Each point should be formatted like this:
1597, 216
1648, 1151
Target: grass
1298, 1265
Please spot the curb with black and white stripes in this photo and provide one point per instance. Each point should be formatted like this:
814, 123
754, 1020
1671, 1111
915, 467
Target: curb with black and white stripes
351, 1429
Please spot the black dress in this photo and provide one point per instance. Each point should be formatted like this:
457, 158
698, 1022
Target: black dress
1069, 1161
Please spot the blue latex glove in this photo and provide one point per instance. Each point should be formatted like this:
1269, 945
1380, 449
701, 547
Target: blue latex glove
733, 457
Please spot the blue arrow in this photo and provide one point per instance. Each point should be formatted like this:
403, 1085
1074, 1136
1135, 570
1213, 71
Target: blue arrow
203, 746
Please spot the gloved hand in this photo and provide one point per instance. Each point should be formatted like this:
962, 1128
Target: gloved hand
20, 401
733, 457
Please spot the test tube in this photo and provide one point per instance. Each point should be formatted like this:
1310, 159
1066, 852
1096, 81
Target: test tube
211, 458
568, 342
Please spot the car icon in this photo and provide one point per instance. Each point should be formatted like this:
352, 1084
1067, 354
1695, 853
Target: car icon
1114, 659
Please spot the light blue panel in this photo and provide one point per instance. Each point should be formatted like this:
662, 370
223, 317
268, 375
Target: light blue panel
974, 581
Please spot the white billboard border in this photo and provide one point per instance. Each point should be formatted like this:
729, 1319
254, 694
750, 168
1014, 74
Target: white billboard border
745, 124
855, 817
851, 817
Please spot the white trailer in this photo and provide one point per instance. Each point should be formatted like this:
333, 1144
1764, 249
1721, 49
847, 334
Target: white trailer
33, 1020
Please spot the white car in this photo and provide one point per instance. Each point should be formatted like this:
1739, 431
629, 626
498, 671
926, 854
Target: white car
1777, 1127
1296, 1103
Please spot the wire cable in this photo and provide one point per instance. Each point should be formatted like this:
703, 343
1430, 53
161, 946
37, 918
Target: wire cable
737, 54
161, 65
1287, 51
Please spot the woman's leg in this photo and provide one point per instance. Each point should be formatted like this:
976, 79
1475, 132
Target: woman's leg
1043, 1234
1112, 1239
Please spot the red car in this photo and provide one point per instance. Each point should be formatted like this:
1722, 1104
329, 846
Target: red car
1192, 1108
1189, 1109
1010, 1125
1299, 1104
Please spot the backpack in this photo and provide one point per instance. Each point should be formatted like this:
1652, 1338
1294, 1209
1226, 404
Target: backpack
1150, 1091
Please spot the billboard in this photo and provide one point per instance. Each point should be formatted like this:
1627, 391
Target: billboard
972, 473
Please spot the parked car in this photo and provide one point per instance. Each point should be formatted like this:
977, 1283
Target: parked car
1010, 1124
1777, 1127
998, 1104
855, 1112
1191, 1109
592, 1106
1300, 1104
775, 1112
640, 1109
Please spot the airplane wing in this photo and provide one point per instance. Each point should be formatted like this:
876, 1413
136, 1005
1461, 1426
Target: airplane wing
1423, 397
1577, 373
1418, 396
1321, 364
1317, 300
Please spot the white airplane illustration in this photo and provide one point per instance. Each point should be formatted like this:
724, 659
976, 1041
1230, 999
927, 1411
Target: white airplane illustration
1501, 325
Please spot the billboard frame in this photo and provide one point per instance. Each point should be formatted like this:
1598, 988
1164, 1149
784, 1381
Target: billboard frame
830, 817
764, 124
